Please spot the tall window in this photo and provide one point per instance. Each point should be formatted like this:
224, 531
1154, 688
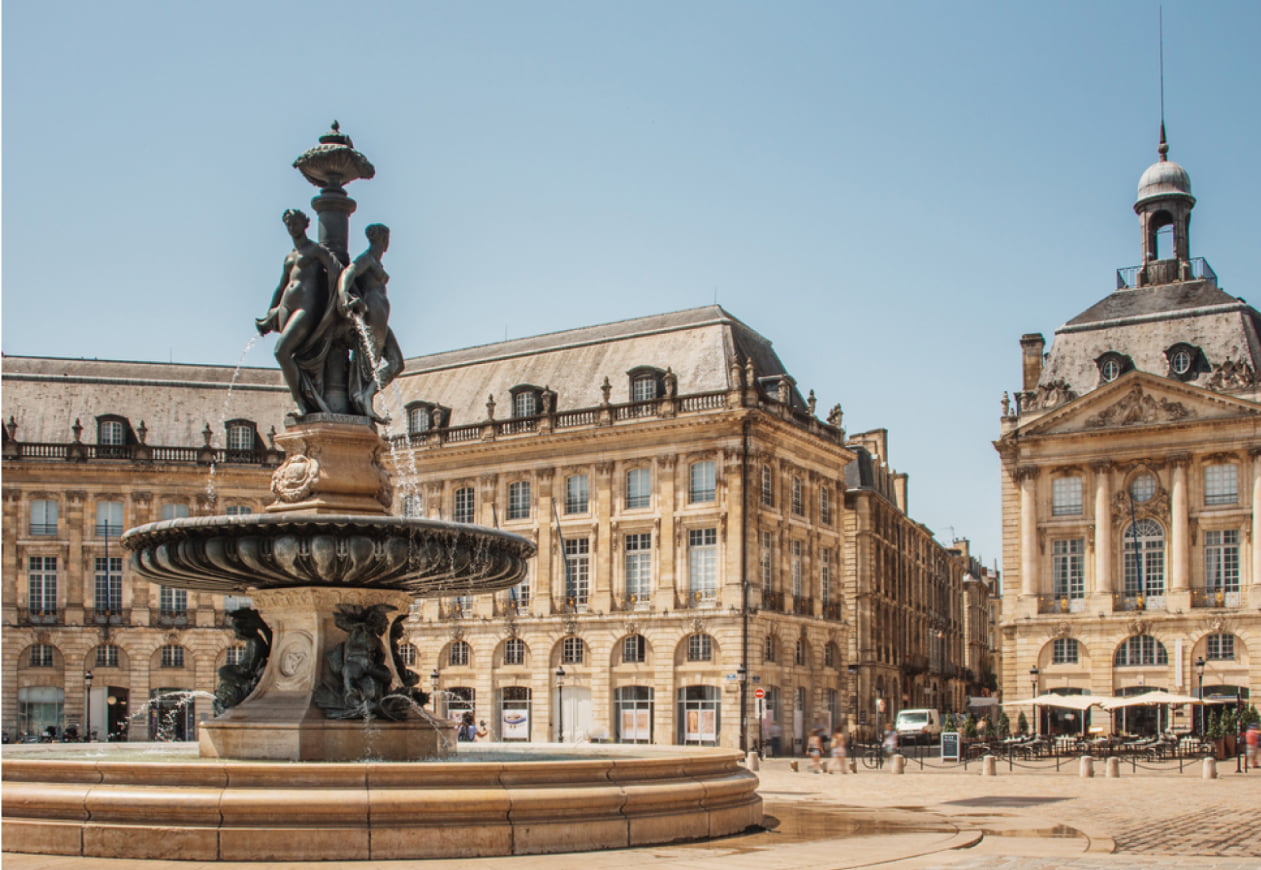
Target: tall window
465, 505
768, 649
634, 649
825, 506
174, 511
458, 653
572, 651
577, 570
700, 648
825, 575
407, 654
1220, 647
767, 560
1141, 649
638, 488
519, 500
795, 564
1144, 559
514, 651
1066, 496
702, 563
172, 656
702, 485
238, 510
798, 498
107, 656
638, 567
577, 494
525, 404
1221, 484
41, 656
109, 585
1221, 560
43, 517
172, 602
413, 505
234, 655
42, 585
799, 653
1064, 651
768, 486
520, 594
1067, 567
109, 518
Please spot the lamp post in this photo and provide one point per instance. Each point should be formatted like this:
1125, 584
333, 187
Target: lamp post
434, 677
742, 675
87, 705
1199, 672
560, 704
1033, 679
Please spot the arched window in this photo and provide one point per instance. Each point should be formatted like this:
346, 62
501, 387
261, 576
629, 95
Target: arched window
1141, 649
634, 649
1064, 651
458, 653
514, 651
1144, 559
572, 651
172, 656
700, 648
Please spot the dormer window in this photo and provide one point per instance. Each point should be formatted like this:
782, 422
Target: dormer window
420, 417
242, 440
646, 383
1112, 366
526, 400
1185, 361
112, 434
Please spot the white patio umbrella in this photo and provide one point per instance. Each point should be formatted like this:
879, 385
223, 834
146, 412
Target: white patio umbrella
1148, 699
1068, 702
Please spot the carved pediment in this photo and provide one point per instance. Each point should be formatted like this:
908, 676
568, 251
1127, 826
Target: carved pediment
1136, 399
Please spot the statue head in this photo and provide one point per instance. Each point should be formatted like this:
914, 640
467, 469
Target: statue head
377, 234
295, 220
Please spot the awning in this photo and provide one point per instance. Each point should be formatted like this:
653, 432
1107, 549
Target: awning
1068, 702
1147, 699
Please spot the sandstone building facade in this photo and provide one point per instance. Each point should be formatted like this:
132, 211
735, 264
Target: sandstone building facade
701, 535
1131, 475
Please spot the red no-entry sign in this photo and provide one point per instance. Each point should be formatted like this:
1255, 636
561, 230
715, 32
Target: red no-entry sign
759, 693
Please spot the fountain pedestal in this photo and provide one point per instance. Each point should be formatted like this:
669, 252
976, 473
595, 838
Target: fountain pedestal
332, 466
281, 721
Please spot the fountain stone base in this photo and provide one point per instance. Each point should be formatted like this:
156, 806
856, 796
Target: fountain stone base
281, 720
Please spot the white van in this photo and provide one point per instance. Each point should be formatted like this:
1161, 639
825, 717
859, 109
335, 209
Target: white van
915, 726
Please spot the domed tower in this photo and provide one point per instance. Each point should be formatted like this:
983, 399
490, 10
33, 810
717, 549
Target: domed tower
1164, 199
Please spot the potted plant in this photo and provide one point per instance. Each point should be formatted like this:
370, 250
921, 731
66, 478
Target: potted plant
1230, 726
1213, 733
1004, 725
1022, 724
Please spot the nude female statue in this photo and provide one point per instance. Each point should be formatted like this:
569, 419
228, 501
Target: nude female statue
361, 294
299, 310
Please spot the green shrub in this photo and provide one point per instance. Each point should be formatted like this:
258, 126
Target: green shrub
1004, 725
1022, 724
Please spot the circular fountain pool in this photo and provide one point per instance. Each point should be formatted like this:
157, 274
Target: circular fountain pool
148, 801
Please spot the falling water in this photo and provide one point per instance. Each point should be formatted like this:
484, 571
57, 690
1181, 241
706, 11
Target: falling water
376, 364
211, 495
168, 722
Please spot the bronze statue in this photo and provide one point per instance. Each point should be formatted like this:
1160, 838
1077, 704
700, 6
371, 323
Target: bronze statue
302, 313
361, 297
238, 680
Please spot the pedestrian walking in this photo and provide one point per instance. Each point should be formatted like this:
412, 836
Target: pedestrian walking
814, 749
840, 752
1252, 739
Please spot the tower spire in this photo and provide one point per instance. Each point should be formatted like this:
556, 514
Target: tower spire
1163, 148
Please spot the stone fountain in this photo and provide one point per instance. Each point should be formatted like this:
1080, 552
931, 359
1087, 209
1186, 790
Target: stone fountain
315, 755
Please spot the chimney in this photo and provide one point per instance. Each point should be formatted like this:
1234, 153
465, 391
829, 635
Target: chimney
899, 492
1031, 346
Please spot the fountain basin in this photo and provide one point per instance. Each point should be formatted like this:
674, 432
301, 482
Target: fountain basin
570, 799
233, 554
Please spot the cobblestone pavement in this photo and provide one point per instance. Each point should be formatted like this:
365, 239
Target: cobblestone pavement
926, 819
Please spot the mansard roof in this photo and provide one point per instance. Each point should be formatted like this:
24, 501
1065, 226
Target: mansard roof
176, 401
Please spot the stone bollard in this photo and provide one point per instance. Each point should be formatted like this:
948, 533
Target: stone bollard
899, 763
1086, 767
1114, 768
989, 765
1210, 768
752, 761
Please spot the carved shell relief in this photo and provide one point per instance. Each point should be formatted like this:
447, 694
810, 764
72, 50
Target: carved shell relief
1137, 408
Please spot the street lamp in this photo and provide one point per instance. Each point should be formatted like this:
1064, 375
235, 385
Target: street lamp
1199, 672
87, 705
434, 677
560, 704
1033, 678
741, 675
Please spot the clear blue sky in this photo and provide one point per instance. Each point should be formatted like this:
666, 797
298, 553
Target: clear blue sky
891, 192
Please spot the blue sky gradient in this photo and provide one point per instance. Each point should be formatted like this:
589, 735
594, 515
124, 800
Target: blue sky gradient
891, 192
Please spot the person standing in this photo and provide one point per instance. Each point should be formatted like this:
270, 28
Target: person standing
840, 752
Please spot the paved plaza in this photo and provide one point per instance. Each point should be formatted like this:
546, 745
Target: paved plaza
1022, 819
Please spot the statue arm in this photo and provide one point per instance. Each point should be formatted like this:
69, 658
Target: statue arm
267, 323
346, 302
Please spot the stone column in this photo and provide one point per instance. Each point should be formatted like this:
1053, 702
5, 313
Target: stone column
1027, 476
1103, 528
1179, 551
1256, 526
